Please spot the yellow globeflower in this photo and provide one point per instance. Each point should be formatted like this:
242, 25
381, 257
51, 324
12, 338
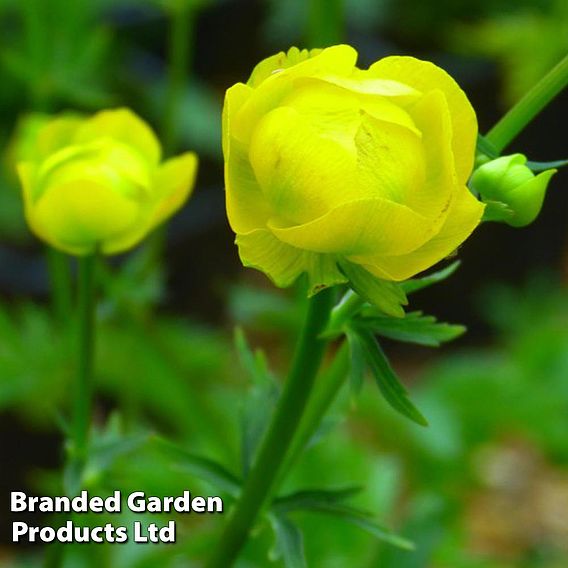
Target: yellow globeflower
346, 173
98, 183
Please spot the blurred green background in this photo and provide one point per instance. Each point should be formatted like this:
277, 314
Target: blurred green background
485, 486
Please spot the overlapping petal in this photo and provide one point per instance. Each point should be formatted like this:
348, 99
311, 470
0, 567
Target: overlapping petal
124, 126
463, 216
425, 76
302, 175
269, 94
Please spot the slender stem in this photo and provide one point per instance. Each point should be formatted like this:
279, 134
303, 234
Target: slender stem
86, 336
60, 283
180, 41
292, 403
325, 393
349, 305
325, 22
529, 106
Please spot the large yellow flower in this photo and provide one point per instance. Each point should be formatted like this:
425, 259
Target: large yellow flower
98, 184
333, 170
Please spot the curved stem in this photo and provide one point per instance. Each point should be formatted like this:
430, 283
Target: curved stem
529, 106
83, 386
285, 422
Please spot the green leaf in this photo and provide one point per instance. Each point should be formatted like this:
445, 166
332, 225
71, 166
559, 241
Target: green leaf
391, 388
254, 364
542, 166
415, 284
289, 543
497, 211
413, 328
389, 297
203, 468
314, 499
260, 401
331, 502
357, 363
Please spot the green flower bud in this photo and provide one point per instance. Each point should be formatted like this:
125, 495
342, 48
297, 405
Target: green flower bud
508, 183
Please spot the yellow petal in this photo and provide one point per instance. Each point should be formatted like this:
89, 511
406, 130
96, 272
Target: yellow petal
432, 117
390, 162
173, 183
80, 216
122, 125
235, 97
302, 175
247, 207
464, 215
339, 59
278, 62
57, 134
367, 226
425, 76
283, 264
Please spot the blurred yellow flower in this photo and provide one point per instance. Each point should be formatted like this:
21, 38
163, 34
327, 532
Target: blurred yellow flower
98, 183
337, 171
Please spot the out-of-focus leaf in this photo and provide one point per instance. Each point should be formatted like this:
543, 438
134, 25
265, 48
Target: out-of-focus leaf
391, 388
259, 402
331, 502
413, 328
314, 499
289, 543
265, 309
415, 284
203, 468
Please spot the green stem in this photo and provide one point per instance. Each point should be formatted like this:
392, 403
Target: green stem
325, 22
86, 336
179, 61
60, 283
270, 458
325, 393
529, 106
349, 305
179, 50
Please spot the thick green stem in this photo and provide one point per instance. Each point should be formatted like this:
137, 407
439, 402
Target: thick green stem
529, 106
325, 22
260, 482
60, 283
86, 336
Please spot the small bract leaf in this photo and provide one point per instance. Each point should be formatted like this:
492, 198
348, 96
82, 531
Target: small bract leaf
415, 284
391, 388
413, 328
389, 297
